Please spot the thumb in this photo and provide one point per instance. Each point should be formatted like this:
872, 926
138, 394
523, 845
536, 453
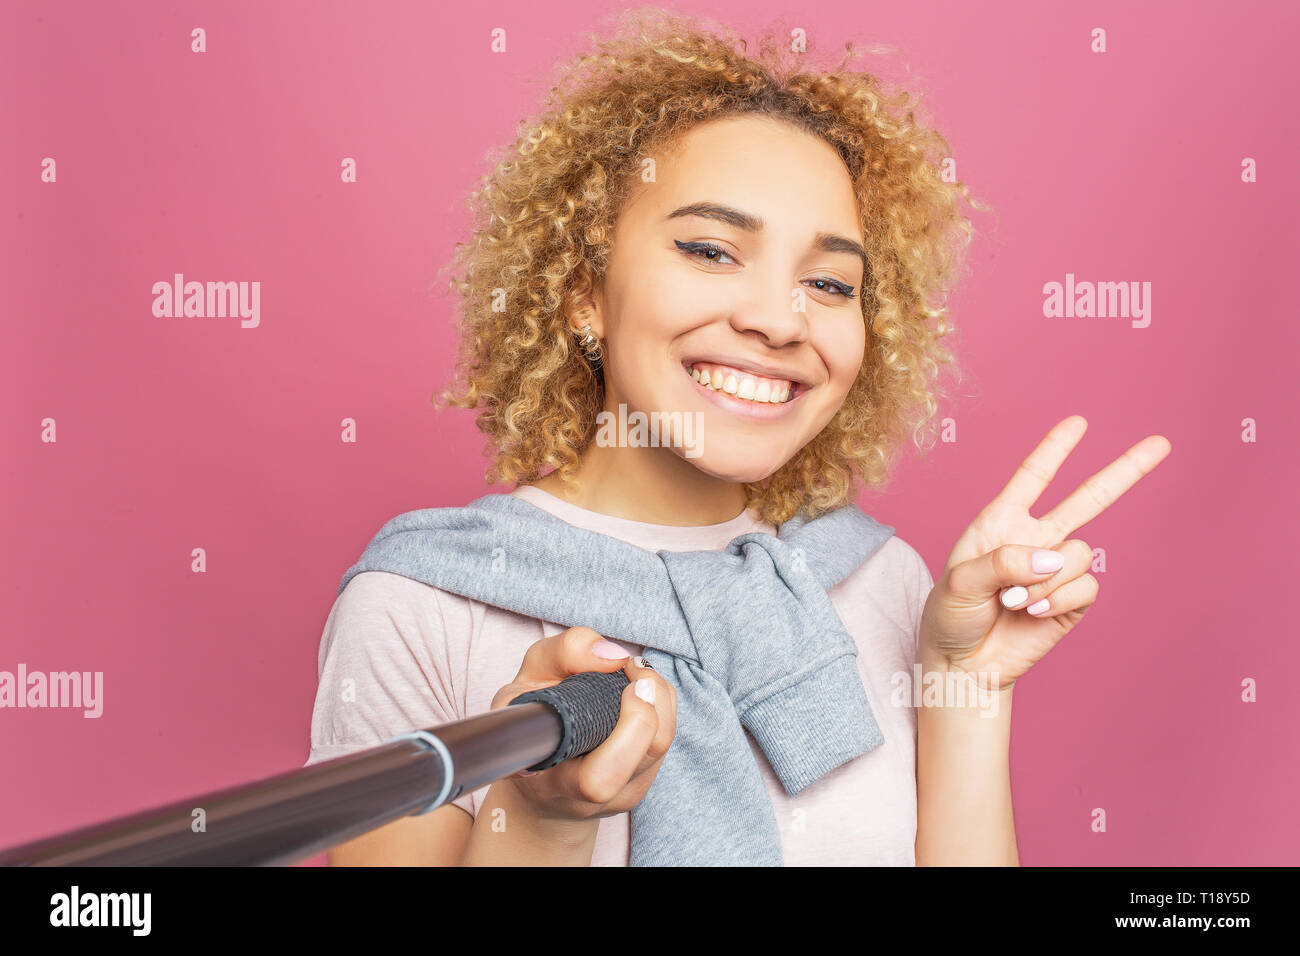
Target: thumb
1011, 566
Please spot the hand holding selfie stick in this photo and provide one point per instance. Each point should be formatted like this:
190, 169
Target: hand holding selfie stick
287, 818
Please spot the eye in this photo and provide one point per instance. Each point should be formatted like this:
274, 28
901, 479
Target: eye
711, 253
846, 291
702, 250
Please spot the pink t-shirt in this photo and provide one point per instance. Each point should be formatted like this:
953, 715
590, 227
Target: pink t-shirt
419, 656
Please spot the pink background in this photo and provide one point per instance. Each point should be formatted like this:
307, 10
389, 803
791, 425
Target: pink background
183, 433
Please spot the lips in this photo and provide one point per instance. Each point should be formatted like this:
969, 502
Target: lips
761, 389
755, 368
746, 408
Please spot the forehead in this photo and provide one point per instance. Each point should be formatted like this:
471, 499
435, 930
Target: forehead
764, 165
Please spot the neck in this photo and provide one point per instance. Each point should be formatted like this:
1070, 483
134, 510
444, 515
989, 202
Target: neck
651, 485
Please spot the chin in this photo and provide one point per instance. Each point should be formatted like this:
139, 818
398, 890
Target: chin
733, 468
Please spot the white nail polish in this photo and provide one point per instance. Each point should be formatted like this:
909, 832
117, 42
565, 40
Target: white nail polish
1014, 597
645, 689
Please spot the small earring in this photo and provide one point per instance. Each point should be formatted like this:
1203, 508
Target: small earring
591, 346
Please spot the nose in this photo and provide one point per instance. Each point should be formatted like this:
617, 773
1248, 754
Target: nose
779, 317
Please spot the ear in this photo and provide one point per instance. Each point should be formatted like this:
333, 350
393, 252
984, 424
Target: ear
585, 303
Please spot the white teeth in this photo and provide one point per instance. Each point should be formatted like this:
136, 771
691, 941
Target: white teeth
744, 387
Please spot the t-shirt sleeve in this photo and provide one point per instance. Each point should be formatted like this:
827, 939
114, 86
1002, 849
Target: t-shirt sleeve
924, 586
917, 584
385, 668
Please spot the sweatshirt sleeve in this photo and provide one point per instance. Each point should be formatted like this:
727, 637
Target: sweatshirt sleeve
384, 668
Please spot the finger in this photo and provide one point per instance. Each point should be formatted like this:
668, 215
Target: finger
605, 771
552, 659
976, 580
573, 651
1076, 595
665, 706
1037, 471
1101, 491
1077, 558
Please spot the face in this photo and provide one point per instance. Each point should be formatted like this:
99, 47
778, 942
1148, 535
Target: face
743, 256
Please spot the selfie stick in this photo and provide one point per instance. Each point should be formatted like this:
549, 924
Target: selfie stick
287, 818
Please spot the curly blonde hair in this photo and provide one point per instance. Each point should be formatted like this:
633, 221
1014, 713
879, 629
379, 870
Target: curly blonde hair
544, 223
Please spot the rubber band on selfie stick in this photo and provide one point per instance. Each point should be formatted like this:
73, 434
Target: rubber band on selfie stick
444, 754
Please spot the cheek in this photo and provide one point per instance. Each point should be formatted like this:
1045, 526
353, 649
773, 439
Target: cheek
653, 312
844, 356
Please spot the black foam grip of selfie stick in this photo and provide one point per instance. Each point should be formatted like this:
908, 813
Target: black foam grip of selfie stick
588, 705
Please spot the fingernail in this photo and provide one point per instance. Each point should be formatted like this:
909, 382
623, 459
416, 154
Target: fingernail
1014, 597
642, 662
527, 773
608, 650
1044, 561
1038, 607
645, 689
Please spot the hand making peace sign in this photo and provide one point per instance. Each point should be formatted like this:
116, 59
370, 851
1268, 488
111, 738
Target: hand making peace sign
967, 624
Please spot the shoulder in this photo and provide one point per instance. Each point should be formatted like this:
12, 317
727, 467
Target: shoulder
894, 581
893, 561
370, 588
380, 604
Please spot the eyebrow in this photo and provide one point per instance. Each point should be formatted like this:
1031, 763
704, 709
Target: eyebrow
825, 241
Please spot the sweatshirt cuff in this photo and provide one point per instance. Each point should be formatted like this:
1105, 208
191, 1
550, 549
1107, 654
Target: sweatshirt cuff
812, 727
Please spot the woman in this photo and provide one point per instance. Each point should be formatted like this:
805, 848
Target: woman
760, 248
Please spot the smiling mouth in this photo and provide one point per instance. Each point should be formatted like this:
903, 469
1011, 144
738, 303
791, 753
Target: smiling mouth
739, 380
